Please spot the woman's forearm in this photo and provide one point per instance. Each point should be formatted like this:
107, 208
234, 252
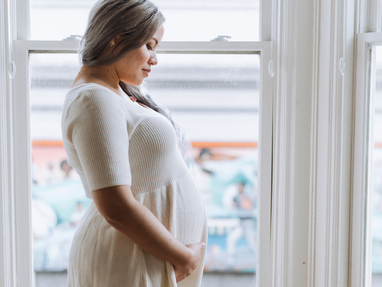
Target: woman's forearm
137, 222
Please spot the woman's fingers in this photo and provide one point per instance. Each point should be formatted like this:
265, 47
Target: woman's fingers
181, 272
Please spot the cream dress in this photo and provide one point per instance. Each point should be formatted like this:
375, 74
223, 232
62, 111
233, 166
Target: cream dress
110, 141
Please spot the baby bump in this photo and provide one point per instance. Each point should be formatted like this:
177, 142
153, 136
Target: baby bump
180, 208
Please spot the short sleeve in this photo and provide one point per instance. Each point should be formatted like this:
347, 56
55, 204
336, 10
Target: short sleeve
98, 130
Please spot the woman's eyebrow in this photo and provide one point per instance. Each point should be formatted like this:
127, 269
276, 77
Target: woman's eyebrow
156, 41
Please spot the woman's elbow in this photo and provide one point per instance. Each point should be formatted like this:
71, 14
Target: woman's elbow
114, 203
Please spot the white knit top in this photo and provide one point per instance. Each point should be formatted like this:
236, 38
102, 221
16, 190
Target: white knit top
111, 141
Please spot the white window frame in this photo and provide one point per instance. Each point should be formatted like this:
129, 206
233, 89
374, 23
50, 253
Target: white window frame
21, 144
362, 169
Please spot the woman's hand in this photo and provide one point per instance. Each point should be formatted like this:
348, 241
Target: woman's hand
181, 272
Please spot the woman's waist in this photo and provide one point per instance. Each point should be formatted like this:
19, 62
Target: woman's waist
145, 179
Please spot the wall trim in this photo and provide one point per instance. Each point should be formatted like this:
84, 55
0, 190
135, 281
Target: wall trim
7, 246
291, 172
314, 148
331, 144
279, 153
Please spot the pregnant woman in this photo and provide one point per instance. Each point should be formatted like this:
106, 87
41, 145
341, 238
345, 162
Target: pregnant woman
146, 225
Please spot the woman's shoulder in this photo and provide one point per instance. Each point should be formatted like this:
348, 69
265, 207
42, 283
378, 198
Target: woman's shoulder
94, 94
86, 89
86, 100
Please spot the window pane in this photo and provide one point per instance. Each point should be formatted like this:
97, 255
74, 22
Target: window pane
214, 99
58, 199
377, 174
196, 20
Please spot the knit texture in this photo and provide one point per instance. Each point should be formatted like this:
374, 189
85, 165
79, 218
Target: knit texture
111, 141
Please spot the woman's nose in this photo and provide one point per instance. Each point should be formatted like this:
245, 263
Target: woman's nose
153, 59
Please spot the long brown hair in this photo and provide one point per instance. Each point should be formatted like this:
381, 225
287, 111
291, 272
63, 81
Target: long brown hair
137, 21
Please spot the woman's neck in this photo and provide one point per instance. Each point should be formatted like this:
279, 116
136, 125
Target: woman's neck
105, 73
92, 75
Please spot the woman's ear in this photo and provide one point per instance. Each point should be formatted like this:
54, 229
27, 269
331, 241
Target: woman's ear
116, 40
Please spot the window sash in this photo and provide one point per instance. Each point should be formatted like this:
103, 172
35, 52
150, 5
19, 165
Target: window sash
22, 147
361, 209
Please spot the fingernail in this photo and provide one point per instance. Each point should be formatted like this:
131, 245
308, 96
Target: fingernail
203, 243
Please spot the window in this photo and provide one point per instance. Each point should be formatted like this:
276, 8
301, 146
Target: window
367, 170
376, 205
224, 85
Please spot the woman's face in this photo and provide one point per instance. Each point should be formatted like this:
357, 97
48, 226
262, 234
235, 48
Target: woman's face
135, 65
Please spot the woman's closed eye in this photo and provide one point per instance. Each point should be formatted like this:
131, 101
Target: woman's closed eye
149, 47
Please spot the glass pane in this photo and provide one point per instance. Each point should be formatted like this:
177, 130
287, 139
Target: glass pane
377, 173
196, 20
58, 199
214, 99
